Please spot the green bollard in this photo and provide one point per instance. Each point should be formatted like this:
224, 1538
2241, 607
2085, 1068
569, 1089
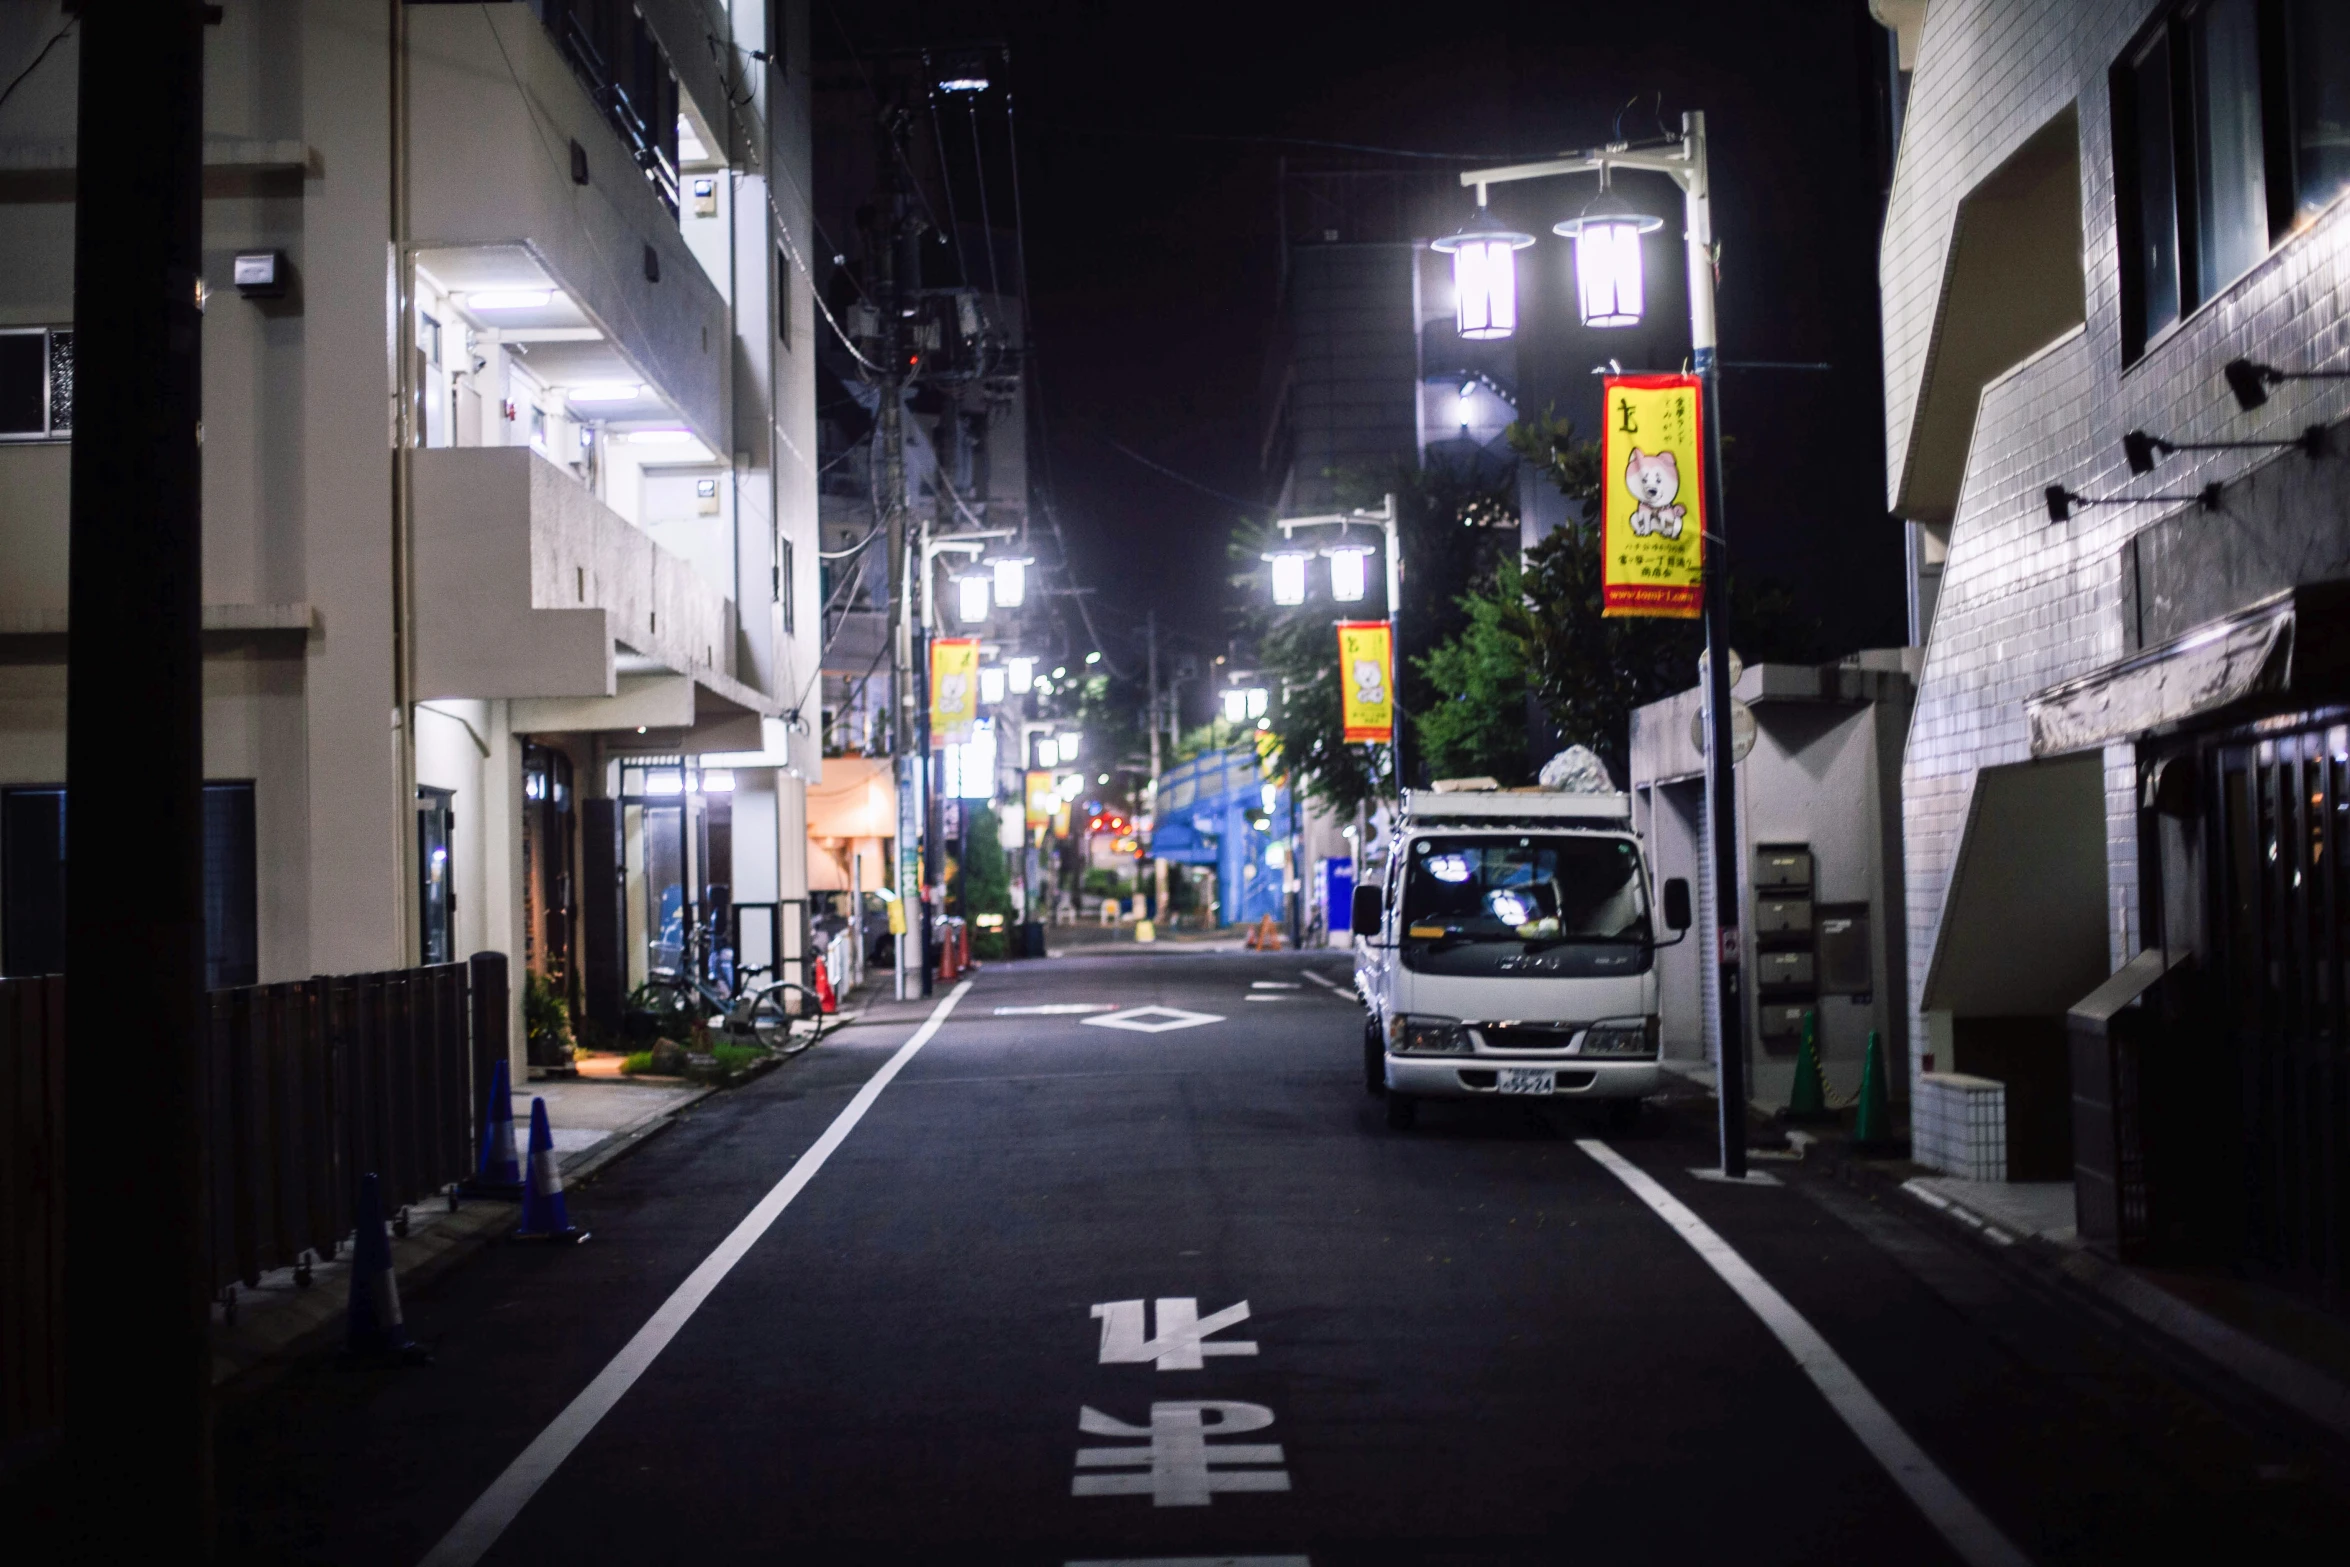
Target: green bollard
1874, 1125
1809, 1098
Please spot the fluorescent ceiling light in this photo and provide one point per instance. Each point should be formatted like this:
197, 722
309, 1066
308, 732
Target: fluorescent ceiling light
604, 392
659, 437
510, 299
963, 84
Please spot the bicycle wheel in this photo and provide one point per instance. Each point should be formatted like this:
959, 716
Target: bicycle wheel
778, 1007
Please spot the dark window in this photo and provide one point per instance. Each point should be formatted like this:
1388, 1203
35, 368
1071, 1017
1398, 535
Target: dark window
436, 898
2231, 178
783, 298
2318, 47
32, 884
783, 583
32, 881
24, 384
2231, 124
232, 925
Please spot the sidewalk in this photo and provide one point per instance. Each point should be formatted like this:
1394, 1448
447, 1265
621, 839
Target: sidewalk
592, 1121
2294, 1354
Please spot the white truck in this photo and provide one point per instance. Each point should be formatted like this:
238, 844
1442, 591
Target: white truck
1507, 948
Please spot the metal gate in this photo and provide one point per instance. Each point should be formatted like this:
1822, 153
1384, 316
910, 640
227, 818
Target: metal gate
2278, 814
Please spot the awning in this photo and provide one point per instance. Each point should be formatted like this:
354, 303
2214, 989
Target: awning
2288, 643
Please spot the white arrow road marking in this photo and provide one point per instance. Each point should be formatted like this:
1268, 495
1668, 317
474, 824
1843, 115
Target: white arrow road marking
1178, 1345
1969, 1531
1177, 1457
471, 1537
1057, 1009
1153, 1020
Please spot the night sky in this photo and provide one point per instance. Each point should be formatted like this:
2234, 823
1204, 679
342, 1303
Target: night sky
1149, 142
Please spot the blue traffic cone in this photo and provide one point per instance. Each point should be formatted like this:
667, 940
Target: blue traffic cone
544, 1216
498, 1173
377, 1334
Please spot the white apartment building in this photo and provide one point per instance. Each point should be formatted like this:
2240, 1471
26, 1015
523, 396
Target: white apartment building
509, 503
2128, 754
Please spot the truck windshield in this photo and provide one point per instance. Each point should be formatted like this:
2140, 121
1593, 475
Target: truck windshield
1538, 904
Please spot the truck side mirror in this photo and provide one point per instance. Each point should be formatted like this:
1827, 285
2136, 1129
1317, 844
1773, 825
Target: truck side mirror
1363, 917
1676, 903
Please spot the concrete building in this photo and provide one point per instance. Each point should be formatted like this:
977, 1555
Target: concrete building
1819, 856
2127, 751
509, 494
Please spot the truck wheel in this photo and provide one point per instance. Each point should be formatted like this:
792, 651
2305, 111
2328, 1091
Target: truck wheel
1374, 1060
1403, 1112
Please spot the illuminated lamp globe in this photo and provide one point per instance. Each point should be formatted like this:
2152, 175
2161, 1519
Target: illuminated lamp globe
1011, 580
1610, 285
1349, 576
971, 598
1484, 275
1289, 576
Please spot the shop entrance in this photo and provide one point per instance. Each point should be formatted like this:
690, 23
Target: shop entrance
549, 871
2279, 894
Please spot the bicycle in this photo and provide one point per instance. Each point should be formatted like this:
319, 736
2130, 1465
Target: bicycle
742, 1010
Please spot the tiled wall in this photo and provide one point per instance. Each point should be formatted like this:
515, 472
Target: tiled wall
2026, 603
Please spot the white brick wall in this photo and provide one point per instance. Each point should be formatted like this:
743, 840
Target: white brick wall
2025, 603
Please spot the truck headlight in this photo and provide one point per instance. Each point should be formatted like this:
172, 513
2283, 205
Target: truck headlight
1631, 1036
1427, 1036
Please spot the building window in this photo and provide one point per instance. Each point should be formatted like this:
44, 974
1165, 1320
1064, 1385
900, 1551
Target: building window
2231, 124
783, 299
32, 884
36, 383
436, 897
2317, 43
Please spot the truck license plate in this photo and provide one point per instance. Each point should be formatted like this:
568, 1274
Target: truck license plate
1527, 1080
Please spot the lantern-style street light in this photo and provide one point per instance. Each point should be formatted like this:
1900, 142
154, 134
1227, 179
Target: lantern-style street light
1348, 574
1289, 576
1607, 260
1610, 285
971, 598
1011, 580
1020, 672
1070, 743
991, 684
1484, 274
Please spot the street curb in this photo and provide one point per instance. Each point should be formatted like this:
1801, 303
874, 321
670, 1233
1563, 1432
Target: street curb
2218, 1350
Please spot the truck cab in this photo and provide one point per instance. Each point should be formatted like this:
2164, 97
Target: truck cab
1507, 947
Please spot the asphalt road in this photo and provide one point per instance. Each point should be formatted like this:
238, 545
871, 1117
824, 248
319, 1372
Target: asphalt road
962, 1339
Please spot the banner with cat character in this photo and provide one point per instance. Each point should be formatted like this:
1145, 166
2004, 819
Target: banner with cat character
1366, 676
954, 690
1652, 511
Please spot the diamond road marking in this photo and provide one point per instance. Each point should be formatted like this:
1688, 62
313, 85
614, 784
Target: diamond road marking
1153, 1020
1057, 1009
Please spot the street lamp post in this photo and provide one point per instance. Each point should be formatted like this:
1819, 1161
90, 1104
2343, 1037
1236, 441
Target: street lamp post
1606, 239
1346, 573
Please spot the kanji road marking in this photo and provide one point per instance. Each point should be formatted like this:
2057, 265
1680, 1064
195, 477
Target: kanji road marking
1969, 1531
470, 1538
1176, 1460
1153, 1020
1178, 1345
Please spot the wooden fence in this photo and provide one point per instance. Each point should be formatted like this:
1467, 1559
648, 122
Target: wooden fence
309, 1085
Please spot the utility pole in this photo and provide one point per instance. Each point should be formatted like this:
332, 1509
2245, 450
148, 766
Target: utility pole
907, 754
137, 1319
1158, 866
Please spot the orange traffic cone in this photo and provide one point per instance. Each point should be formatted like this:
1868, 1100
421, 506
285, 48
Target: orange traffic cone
826, 1001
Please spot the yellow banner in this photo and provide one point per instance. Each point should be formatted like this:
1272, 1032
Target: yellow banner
954, 690
1044, 800
1652, 528
1366, 679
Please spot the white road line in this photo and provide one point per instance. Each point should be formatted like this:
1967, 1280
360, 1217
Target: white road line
1328, 983
1963, 1525
470, 1538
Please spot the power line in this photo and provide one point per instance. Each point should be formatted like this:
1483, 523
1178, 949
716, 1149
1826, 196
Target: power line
54, 40
1257, 139
1179, 478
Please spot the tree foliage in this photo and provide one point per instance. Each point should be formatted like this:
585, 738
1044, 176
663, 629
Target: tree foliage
1455, 523
1537, 630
